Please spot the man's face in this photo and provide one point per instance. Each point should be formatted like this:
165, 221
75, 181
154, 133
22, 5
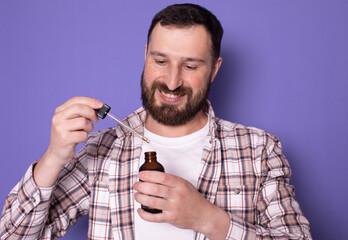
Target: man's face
177, 74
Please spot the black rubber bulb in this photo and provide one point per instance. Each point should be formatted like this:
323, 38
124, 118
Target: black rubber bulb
103, 111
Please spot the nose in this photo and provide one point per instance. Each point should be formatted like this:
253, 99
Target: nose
173, 79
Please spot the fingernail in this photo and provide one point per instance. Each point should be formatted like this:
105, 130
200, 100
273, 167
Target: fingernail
98, 104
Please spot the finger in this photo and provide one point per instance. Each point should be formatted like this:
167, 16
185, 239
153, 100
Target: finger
158, 217
152, 201
66, 137
159, 177
79, 110
80, 124
91, 102
153, 189
78, 136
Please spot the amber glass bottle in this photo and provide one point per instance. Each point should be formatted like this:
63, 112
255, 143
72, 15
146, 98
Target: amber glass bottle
151, 164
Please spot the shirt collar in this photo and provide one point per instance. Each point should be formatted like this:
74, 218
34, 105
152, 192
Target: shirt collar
136, 120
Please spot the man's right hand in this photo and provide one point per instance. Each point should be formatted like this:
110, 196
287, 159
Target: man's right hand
71, 124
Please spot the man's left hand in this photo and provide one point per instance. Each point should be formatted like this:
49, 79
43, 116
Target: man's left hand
182, 205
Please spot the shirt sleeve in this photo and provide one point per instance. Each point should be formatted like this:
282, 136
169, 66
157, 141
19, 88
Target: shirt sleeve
278, 214
46, 213
45, 193
18, 209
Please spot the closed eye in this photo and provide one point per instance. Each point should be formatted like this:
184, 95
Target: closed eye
160, 62
189, 67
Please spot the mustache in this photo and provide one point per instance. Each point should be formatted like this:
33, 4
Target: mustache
180, 91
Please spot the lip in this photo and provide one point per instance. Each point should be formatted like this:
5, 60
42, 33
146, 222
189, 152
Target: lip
170, 99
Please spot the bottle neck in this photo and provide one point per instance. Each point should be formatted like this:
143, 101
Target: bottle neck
150, 157
153, 159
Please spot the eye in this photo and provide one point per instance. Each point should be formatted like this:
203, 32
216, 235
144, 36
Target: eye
160, 62
190, 67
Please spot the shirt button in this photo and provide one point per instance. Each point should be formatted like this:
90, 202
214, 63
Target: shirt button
9, 225
33, 200
237, 191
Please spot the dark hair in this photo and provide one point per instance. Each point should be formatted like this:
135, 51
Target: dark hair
186, 15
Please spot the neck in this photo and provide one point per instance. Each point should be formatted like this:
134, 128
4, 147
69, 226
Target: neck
197, 123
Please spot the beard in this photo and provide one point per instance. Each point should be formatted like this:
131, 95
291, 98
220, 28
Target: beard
171, 114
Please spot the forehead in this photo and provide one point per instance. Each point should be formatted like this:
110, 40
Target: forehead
191, 41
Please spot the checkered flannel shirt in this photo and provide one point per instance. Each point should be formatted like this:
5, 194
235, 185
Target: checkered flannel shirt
243, 171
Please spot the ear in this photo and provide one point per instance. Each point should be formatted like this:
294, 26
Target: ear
216, 67
145, 50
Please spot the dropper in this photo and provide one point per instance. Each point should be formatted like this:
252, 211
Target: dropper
104, 111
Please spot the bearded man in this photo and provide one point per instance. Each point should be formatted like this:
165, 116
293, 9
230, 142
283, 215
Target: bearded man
222, 181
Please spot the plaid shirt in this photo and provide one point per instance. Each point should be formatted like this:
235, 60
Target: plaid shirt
243, 171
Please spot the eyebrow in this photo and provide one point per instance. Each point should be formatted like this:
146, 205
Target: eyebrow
190, 59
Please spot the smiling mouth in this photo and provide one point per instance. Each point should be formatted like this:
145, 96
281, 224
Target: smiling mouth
170, 95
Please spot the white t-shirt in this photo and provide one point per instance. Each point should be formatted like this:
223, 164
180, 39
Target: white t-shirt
181, 157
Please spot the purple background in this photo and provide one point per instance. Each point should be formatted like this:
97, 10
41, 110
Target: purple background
285, 70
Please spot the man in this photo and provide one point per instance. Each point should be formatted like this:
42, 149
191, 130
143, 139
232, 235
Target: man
222, 180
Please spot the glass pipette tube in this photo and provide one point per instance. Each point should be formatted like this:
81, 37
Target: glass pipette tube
128, 127
104, 111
